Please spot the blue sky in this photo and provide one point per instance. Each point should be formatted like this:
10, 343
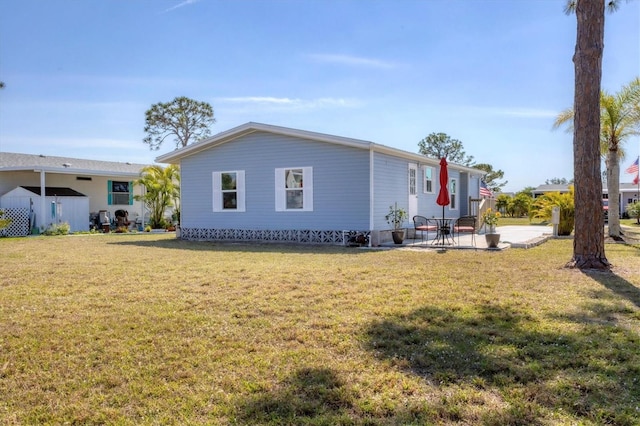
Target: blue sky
494, 74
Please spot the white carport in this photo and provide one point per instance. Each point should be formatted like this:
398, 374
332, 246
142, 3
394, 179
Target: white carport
94, 179
60, 205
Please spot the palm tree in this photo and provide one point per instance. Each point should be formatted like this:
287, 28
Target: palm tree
162, 190
588, 242
619, 119
543, 206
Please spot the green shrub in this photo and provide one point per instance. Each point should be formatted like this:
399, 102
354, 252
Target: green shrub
634, 211
57, 229
543, 206
4, 222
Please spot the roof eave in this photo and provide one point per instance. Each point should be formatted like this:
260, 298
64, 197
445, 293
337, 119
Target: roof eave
69, 171
251, 127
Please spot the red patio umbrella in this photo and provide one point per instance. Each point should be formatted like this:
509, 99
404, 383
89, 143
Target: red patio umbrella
443, 195
443, 198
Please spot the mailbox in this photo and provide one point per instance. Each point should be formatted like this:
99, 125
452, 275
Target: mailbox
555, 215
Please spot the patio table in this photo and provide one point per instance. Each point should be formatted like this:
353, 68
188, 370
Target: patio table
444, 235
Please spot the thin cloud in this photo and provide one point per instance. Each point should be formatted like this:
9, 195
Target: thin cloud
289, 103
261, 100
179, 5
352, 61
520, 112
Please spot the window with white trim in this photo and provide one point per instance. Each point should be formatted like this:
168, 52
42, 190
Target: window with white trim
294, 189
427, 186
453, 187
228, 191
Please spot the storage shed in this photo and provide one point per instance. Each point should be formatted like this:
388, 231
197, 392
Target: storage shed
63, 205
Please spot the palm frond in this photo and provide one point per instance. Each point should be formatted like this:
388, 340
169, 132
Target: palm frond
565, 117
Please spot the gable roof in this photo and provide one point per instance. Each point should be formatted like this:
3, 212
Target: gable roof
10, 161
552, 188
174, 157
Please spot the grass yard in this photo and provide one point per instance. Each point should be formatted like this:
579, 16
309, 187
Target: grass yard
146, 329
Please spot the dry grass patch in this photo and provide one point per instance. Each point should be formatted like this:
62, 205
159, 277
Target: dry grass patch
146, 329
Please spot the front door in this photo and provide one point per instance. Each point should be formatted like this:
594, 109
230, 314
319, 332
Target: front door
413, 191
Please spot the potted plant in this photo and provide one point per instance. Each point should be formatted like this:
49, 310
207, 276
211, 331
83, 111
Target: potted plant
490, 219
396, 218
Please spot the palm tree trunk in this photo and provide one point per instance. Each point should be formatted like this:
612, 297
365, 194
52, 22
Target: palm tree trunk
613, 188
588, 243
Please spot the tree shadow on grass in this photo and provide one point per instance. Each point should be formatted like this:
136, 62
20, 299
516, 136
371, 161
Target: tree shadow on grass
230, 246
590, 375
315, 394
617, 285
318, 396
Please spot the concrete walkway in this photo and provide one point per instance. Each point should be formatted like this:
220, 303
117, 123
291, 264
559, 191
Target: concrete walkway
510, 236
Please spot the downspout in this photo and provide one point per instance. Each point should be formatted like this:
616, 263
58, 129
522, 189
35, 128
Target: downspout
371, 194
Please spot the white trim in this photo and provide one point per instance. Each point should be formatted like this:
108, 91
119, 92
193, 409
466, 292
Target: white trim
371, 189
174, 157
424, 179
217, 192
413, 198
280, 189
455, 200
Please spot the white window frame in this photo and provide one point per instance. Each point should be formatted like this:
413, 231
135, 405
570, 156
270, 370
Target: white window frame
281, 189
425, 180
218, 206
453, 188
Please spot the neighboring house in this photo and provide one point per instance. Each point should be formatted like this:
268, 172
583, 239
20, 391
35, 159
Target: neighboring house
74, 188
629, 193
264, 182
543, 189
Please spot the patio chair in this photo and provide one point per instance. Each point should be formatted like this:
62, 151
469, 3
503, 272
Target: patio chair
466, 225
122, 218
422, 224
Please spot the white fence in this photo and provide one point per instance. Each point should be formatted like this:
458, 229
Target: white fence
19, 226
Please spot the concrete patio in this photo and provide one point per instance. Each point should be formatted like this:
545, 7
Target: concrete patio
510, 237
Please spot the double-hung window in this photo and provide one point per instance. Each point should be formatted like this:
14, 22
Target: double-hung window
453, 188
228, 191
427, 186
294, 189
119, 192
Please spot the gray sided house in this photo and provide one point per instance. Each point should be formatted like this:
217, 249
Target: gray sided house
264, 182
44, 190
629, 193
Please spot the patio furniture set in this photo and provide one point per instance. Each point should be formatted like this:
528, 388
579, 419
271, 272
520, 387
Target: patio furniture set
445, 229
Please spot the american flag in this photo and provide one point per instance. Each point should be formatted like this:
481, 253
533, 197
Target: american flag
633, 168
484, 190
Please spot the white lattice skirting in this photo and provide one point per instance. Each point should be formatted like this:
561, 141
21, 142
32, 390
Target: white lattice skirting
289, 235
19, 226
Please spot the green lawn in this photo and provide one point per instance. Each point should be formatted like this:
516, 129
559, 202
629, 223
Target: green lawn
146, 329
